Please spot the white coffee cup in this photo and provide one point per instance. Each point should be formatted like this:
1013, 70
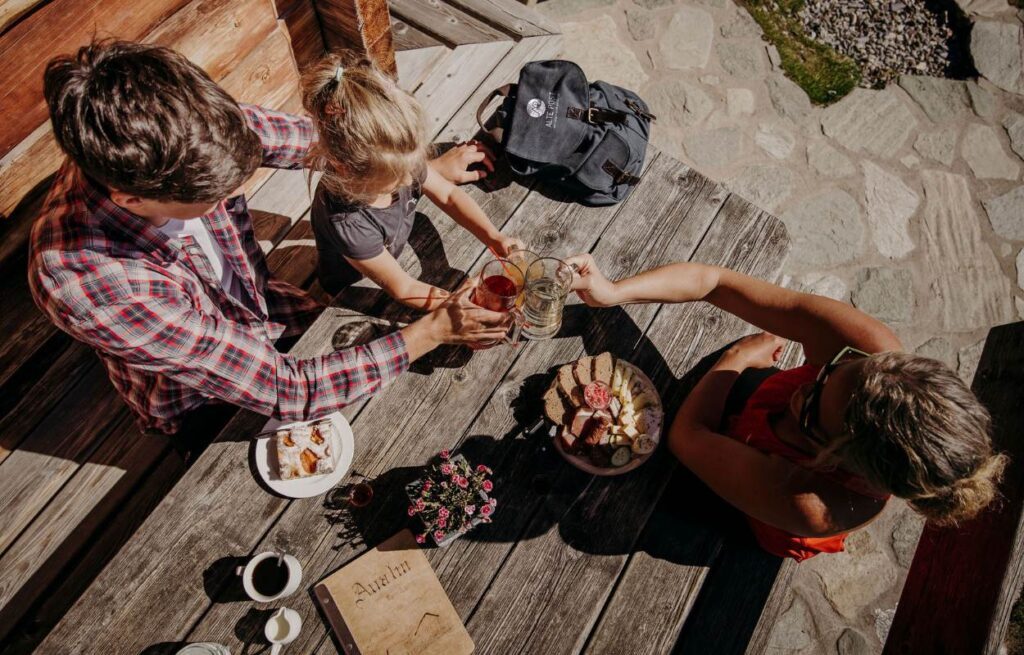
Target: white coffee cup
290, 587
282, 628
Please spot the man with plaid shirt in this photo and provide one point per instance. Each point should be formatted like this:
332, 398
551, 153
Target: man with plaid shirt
138, 253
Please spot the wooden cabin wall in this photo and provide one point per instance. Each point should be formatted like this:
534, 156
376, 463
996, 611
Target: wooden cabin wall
249, 46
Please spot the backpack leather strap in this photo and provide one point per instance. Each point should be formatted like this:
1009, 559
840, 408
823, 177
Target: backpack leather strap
596, 115
619, 176
496, 132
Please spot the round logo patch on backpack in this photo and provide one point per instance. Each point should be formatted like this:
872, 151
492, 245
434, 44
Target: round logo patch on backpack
536, 108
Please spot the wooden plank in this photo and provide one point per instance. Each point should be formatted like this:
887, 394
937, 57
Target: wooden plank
509, 16
47, 458
363, 25
266, 76
660, 584
81, 508
445, 22
306, 36
27, 46
415, 65
75, 578
445, 89
740, 600
408, 37
964, 580
12, 10
463, 124
589, 562
32, 407
23, 169
217, 34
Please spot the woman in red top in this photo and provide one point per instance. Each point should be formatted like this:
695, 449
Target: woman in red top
816, 451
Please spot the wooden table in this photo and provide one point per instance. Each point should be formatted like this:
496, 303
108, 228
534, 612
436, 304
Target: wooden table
572, 563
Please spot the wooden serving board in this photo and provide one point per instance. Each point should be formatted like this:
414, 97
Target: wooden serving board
389, 602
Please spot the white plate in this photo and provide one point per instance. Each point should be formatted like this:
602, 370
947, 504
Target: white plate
342, 445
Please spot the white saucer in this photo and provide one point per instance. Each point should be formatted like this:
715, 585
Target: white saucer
342, 445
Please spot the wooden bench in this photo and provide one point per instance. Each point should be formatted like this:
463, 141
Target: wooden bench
76, 477
964, 581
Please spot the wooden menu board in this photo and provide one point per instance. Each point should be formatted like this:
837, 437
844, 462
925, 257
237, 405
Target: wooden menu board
389, 602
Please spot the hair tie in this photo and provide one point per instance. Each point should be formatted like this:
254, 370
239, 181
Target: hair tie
338, 72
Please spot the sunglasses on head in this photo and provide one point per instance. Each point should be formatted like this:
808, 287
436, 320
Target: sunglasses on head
812, 403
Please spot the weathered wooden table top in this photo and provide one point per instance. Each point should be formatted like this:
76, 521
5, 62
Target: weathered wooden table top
572, 563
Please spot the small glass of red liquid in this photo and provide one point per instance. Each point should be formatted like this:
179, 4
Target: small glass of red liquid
499, 287
360, 494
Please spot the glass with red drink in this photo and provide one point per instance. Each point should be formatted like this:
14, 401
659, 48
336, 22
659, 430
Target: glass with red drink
498, 288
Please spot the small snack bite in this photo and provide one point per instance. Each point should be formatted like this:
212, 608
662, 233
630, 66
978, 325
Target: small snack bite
305, 450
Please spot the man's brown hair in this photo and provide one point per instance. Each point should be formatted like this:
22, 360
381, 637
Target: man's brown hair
144, 120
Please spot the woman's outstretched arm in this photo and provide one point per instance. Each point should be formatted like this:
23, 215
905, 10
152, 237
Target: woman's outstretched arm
822, 325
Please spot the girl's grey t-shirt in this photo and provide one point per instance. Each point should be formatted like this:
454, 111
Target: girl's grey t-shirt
343, 229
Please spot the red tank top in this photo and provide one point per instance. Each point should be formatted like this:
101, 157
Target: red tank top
753, 427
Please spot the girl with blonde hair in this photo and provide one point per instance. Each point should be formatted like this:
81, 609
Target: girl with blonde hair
373, 151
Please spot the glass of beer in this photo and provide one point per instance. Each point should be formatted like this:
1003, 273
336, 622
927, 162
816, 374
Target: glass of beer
548, 281
498, 290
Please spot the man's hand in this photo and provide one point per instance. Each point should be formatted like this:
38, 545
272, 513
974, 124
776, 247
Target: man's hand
761, 350
590, 284
457, 321
454, 164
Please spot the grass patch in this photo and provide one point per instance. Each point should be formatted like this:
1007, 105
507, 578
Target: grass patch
822, 72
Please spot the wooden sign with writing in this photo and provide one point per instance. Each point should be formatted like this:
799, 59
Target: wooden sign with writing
389, 602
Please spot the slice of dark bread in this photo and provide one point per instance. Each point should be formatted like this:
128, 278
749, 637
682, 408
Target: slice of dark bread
604, 368
556, 406
583, 370
567, 384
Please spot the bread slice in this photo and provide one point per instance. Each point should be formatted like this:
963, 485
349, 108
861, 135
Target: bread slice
556, 406
583, 370
568, 386
604, 368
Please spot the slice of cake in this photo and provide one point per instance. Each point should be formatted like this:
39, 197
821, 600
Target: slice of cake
305, 450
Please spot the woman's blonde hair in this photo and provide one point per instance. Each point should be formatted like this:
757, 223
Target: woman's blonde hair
914, 428
372, 134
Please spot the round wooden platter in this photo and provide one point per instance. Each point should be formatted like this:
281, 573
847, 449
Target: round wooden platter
584, 464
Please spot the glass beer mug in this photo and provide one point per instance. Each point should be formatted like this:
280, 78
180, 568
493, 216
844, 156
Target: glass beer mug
499, 287
548, 281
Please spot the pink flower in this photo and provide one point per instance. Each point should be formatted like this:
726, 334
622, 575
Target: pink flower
445, 454
412, 510
443, 512
470, 509
438, 535
442, 522
480, 468
427, 485
486, 510
488, 485
492, 501
421, 538
420, 504
462, 482
446, 469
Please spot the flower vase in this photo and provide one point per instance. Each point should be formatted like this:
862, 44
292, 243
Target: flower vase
413, 490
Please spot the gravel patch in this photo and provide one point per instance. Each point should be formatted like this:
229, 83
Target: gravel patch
888, 37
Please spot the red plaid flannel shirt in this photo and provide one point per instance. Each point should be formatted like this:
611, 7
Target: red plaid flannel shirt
170, 336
